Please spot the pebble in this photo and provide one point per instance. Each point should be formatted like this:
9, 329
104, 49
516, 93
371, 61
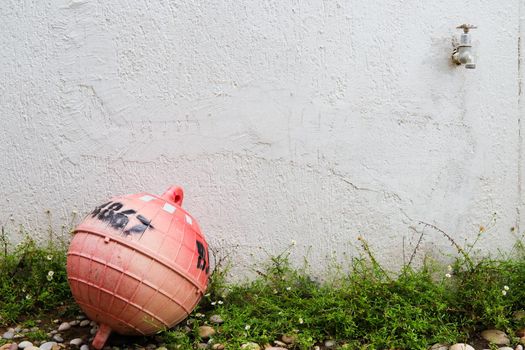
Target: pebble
289, 339
58, 338
93, 330
495, 336
202, 346
217, 346
93, 323
505, 348
81, 317
162, 348
25, 330
32, 348
74, 323
518, 315
250, 346
279, 343
76, 341
84, 347
461, 346
6, 346
34, 329
519, 347
329, 344
84, 323
64, 327
216, 319
8, 335
275, 348
25, 344
206, 331
48, 345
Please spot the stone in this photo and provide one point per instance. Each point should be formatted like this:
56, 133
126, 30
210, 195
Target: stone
74, 323
518, 315
25, 344
76, 341
250, 346
289, 339
84, 323
48, 345
276, 348
461, 346
495, 336
206, 331
84, 347
202, 346
58, 338
64, 326
330, 344
217, 346
93, 330
34, 329
216, 319
162, 348
8, 335
32, 348
53, 332
6, 346
505, 348
439, 346
81, 317
279, 343
519, 347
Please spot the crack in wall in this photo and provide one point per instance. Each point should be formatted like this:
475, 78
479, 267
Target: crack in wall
520, 107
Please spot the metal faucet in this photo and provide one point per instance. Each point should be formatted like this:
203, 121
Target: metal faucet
462, 53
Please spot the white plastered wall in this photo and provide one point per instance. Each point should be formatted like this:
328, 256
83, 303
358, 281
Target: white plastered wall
306, 121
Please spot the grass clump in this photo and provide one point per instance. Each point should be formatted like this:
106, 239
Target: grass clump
366, 307
33, 281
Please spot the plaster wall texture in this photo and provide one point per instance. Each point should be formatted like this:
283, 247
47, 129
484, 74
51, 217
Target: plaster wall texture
306, 121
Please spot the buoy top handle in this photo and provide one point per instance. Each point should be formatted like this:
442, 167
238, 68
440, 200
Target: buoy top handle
174, 194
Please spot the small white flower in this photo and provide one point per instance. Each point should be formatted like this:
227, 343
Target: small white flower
294, 242
207, 295
198, 314
449, 268
51, 273
213, 302
28, 297
275, 291
247, 327
504, 292
301, 321
506, 287
448, 275
49, 278
49, 257
220, 302
288, 288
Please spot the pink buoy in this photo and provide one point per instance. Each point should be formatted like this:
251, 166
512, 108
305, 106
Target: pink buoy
138, 264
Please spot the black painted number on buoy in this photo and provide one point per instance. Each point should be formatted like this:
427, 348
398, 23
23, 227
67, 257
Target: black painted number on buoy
202, 261
110, 213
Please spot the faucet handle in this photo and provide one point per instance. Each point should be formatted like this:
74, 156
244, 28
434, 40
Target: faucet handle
466, 27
